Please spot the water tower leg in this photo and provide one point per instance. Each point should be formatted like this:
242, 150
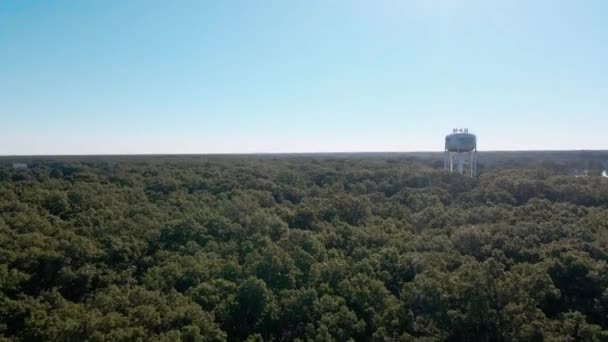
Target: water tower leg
460, 163
474, 163
451, 162
471, 163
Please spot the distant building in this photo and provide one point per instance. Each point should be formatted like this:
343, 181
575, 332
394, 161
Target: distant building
579, 173
19, 166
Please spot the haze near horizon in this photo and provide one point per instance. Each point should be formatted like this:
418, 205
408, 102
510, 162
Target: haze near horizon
121, 77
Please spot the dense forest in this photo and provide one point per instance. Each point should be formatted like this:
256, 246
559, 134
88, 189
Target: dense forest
364, 247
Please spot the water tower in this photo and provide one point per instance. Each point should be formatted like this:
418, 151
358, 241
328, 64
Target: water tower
461, 152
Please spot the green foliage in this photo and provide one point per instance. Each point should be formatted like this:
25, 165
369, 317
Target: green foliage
315, 248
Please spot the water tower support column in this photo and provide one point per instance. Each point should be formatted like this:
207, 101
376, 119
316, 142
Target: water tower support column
460, 163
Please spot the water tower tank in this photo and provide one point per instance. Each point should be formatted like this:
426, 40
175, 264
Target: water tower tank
460, 142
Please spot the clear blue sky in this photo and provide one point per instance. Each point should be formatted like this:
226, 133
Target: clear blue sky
206, 76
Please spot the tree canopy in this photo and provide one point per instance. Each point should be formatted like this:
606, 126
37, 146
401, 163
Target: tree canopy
302, 247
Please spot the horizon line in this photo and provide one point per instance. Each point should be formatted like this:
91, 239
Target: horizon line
284, 153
